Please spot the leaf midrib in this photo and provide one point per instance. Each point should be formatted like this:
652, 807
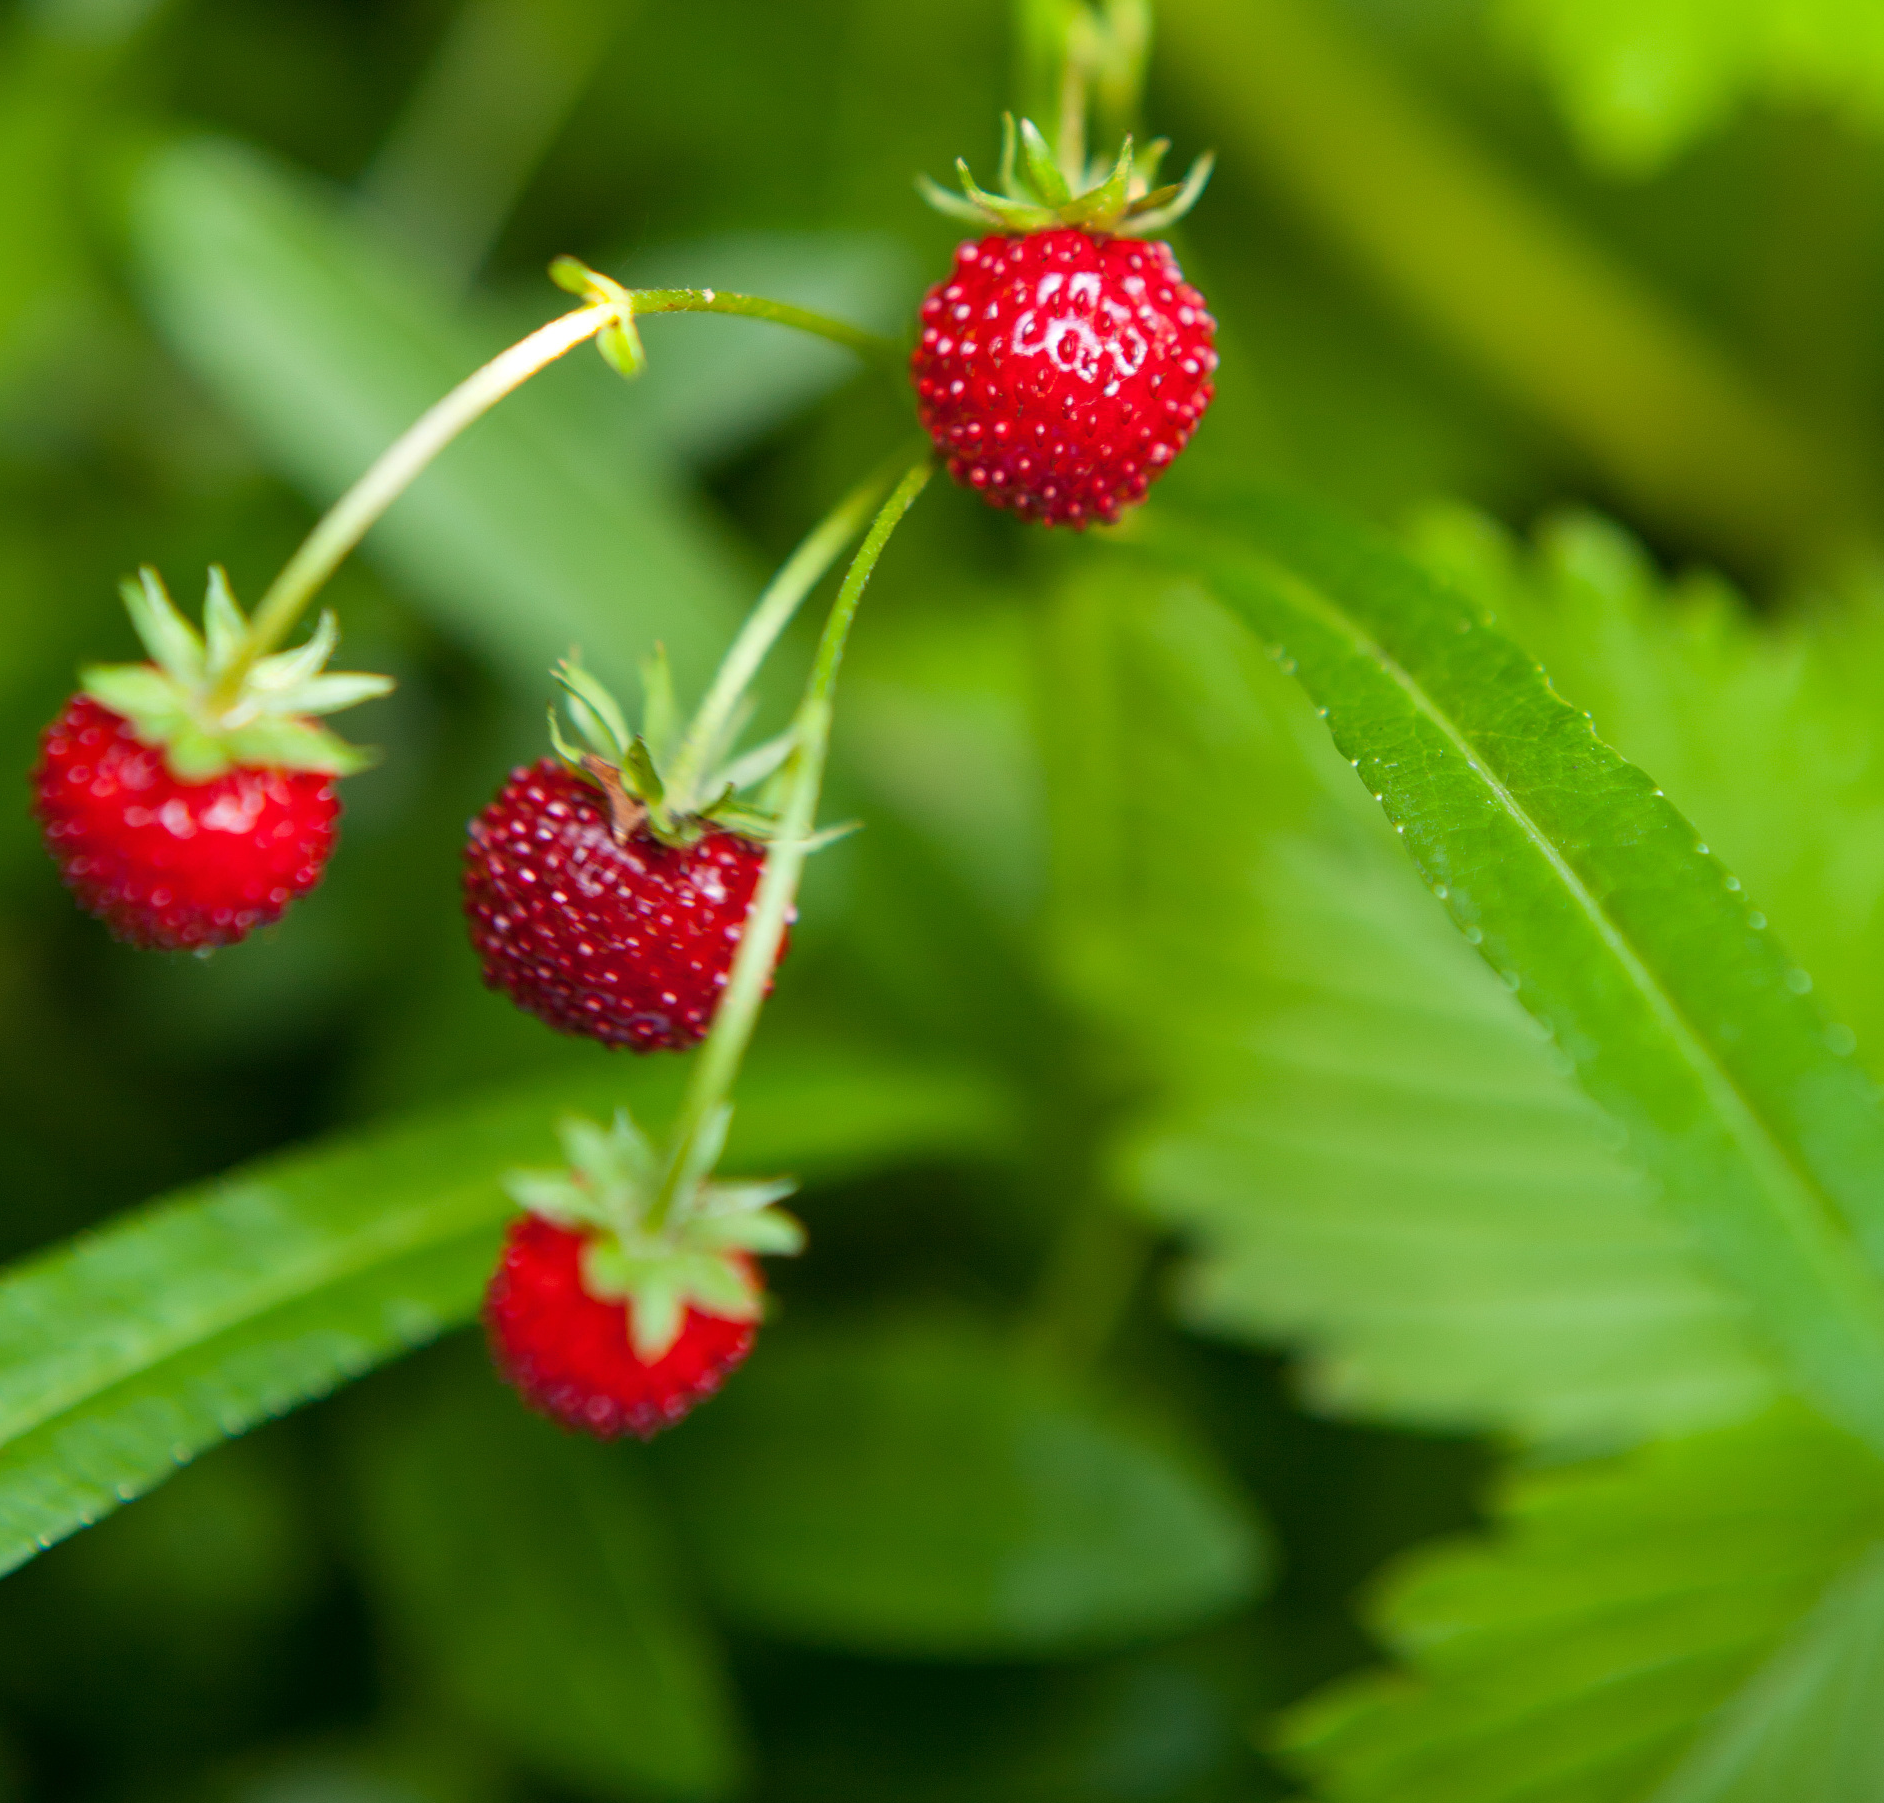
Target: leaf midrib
298, 1279
1749, 1129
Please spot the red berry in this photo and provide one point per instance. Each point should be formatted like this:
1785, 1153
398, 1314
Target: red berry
1060, 372
170, 865
569, 1353
627, 941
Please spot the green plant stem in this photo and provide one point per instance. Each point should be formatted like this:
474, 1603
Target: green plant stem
349, 519
353, 515
717, 1065
772, 613
750, 306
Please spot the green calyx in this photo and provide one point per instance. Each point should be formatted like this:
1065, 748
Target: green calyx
661, 1268
1040, 190
211, 703
677, 784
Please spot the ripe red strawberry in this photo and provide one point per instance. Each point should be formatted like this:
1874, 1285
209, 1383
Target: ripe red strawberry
188, 800
167, 864
1060, 371
571, 1354
598, 929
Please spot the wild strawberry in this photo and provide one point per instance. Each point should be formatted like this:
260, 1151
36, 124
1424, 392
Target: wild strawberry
1065, 362
602, 931
609, 1320
609, 899
169, 865
187, 801
570, 1354
1059, 372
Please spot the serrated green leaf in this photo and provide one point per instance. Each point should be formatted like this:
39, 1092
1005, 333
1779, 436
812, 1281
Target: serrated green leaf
171, 640
1807, 1726
1368, 1151
1581, 1654
917, 1489
1593, 899
133, 1349
531, 1573
1764, 726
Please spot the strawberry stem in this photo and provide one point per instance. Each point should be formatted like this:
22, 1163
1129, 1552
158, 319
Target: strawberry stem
703, 745
610, 313
711, 1080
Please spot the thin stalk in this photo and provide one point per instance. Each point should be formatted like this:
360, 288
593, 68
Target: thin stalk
771, 614
353, 515
717, 1065
348, 520
752, 306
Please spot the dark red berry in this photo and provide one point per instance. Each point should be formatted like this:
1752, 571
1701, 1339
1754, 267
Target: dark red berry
170, 865
569, 1353
627, 941
1061, 371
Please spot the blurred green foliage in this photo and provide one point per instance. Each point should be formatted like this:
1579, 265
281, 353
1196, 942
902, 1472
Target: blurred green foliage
1016, 1500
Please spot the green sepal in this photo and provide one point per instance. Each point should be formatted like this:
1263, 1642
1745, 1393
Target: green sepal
773, 1232
225, 627
209, 707
145, 696
1038, 194
607, 1194
644, 779
290, 744
660, 714
173, 643
757, 764
195, 756
1108, 201
595, 712
1147, 216
1043, 173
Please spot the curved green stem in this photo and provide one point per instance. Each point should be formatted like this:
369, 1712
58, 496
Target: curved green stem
717, 1064
751, 306
348, 520
772, 613
353, 515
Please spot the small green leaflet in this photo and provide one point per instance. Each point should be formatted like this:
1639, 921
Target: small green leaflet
132, 1349
1595, 903
1578, 1656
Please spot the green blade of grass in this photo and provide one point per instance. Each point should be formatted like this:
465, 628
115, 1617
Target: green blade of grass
126, 1352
